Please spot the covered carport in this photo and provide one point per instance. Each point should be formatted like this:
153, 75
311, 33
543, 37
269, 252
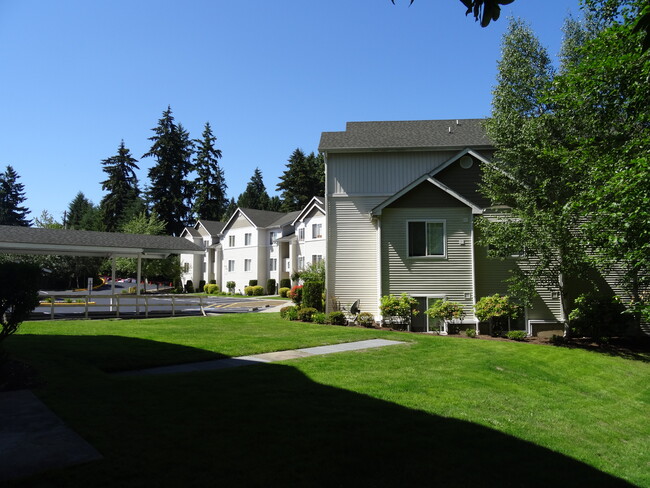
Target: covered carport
29, 240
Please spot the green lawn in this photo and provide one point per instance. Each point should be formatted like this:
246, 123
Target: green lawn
438, 411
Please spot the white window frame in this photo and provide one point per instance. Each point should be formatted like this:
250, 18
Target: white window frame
248, 264
273, 264
444, 239
317, 231
273, 236
231, 265
231, 241
316, 258
248, 239
301, 234
301, 263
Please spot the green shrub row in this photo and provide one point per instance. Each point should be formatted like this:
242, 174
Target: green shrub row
284, 292
254, 291
310, 314
211, 289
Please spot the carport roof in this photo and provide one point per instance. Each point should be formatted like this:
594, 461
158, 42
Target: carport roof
29, 240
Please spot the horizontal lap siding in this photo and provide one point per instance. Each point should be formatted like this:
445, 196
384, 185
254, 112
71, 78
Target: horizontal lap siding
450, 276
352, 252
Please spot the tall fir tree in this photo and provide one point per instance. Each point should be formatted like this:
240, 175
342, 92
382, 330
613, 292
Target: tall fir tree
230, 209
122, 187
82, 214
255, 195
210, 185
303, 179
170, 192
12, 197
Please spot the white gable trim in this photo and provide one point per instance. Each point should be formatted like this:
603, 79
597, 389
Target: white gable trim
455, 158
233, 218
315, 202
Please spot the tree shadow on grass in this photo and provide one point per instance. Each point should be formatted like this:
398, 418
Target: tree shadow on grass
270, 425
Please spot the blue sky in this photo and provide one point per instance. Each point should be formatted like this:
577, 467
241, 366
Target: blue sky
78, 76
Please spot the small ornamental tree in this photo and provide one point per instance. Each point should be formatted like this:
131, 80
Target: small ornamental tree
231, 286
446, 310
402, 307
497, 310
19, 284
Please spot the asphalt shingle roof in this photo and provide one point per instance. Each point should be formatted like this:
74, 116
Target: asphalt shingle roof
65, 237
262, 218
212, 226
409, 134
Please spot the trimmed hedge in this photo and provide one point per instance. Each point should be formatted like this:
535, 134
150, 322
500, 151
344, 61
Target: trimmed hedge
211, 289
337, 318
252, 283
270, 287
201, 286
189, 287
284, 292
285, 283
305, 313
312, 295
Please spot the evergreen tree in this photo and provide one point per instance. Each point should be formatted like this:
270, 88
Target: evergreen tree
210, 185
255, 195
170, 192
230, 209
122, 187
303, 179
83, 215
12, 196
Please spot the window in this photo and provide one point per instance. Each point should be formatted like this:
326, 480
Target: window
231, 241
248, 238
273, 264
316, 231
231, 265
301, 262
287, 264
273, 236
316, 258
247, 264
301, 234
186, 267
426, 238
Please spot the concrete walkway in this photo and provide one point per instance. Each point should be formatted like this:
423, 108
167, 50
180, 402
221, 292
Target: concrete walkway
268, 357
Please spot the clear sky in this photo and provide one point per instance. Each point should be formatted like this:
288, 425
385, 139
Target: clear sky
78, 76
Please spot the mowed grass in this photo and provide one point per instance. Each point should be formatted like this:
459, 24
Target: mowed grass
437, 411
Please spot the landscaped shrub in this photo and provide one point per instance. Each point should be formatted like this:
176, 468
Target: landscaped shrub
598, 317
296, 294
270, 287
252, 283
248, 291
284, 292
319, 318
285, 283
446, 310
258, 290
403, 307
231, 286
211, 289
201, 286
366, 319
470, 332
19, 284
291, 314
557, 340
189, 287
497, 310
285, 310
337, 318
312, 295
517, 335
305, 313
213, 282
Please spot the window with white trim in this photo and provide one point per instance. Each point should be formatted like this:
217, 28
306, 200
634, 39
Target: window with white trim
426, 238
248, 239
301, 233
231, 265
301, 262
287, 264
231, 241
316, 258
273, 236
186, 267
247, 264
316, 231
273, 264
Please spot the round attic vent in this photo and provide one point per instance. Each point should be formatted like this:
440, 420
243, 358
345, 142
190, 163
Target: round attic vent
466, 162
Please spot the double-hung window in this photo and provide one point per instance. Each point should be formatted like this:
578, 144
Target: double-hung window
273, 264
426, 238
247, 264
301, 262
231, 265
301, 233
248, 238
231, 241
316, 258
316, 231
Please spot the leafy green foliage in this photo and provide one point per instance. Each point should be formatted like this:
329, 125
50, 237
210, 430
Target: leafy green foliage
19, 285
446, 310
402, 306
305, 313
337, 318
469, 332
284, 292
597, 316
484, 11
312, 294
12, 197
312, 272
231, 286
496, 306
517, 335
296, 294
270, 286
211, 289
366, 319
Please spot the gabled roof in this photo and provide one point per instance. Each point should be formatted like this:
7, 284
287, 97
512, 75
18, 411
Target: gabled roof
315, 202
456, 157
190, 231
286, 219
29, 240
403, 135
379, 208
212, 227
259, 219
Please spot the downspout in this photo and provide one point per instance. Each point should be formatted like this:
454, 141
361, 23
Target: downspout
328, 253
379, 287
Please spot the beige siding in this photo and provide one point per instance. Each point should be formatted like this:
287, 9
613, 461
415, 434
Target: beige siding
450, 276
352, 253
379, 173
240, 222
